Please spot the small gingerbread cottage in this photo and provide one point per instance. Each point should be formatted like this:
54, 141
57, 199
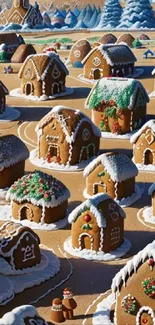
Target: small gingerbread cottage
78, 52
22, 52
107, 39
3, 92
134, 286
144, 144
23, 315
19, 246
97, 224
118, 105
126, 38
115, 60
111, 173
38, 197
43, 75
67, 136
13, 153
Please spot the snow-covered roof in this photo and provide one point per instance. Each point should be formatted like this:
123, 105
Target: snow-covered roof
122, 90
12, 151
41, 63
70, 129
48, 191
117, 165
92, 205
151, 189
18, 315
150, 124
114, 54
132, 266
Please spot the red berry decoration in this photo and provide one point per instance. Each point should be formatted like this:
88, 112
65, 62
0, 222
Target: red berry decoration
144, 321
87, 218
150, 262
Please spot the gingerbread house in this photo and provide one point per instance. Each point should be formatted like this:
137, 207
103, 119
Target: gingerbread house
144, 144
115, 60
13, 154
78, 52
134, 289
38, 197
126, 38
11, 41
21, 12
111, 173
43, 75
3, 92
19, 246
118, 105
23, 315
67, 136
107, 39
143, 37
97, 224
22, 52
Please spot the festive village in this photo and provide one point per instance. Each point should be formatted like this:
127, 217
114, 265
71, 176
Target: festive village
77, 162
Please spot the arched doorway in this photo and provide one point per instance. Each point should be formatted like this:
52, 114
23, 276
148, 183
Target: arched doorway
97, 74
148, 158
26, 213
61, 87
85, 241
53, 150
28, 89
55, 89
146, 319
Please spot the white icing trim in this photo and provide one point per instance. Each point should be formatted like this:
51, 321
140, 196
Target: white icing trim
147, 310
150, 124
17, 315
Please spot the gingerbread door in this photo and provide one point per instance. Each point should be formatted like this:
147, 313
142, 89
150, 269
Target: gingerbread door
148, 157
28, 89
25, 213
97, 74
85, 241
146, 319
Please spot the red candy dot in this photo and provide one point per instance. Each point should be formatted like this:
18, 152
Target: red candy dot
87, 218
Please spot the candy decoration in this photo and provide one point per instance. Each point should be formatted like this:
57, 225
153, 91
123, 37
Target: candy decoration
87, 226
129, 304
148, 286
87, 218
151, 263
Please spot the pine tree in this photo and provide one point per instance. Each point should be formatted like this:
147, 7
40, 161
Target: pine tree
110, 15
137, 14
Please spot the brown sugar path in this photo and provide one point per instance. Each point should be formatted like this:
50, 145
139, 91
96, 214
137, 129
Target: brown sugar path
89, 279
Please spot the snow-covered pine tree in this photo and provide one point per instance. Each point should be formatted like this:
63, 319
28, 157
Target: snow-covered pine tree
137, 14
110, 15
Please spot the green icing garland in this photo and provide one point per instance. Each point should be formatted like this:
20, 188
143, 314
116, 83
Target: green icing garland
129, 304
38, 185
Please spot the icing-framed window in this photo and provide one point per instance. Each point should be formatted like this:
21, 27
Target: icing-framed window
96, 61
56, 72
16, 3
85, 134
77, 54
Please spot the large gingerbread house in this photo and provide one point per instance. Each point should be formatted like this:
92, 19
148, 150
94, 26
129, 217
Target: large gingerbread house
111, 173
118, 105
21, 12
115, 60
13, 153
144, 144
97, 224
23, 315
3, 92
19, 246
67, 136
43, 75
39, 198
134, 289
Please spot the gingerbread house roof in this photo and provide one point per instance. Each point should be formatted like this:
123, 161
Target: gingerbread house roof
22, 52
12, 151
107, 38
126, 38
70, 120
18, 315
6, 92
123, 91
114, 54
117, 165
150, 124
92, 205
39, 189
132, 266
10, 236
9, 39
41, 63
